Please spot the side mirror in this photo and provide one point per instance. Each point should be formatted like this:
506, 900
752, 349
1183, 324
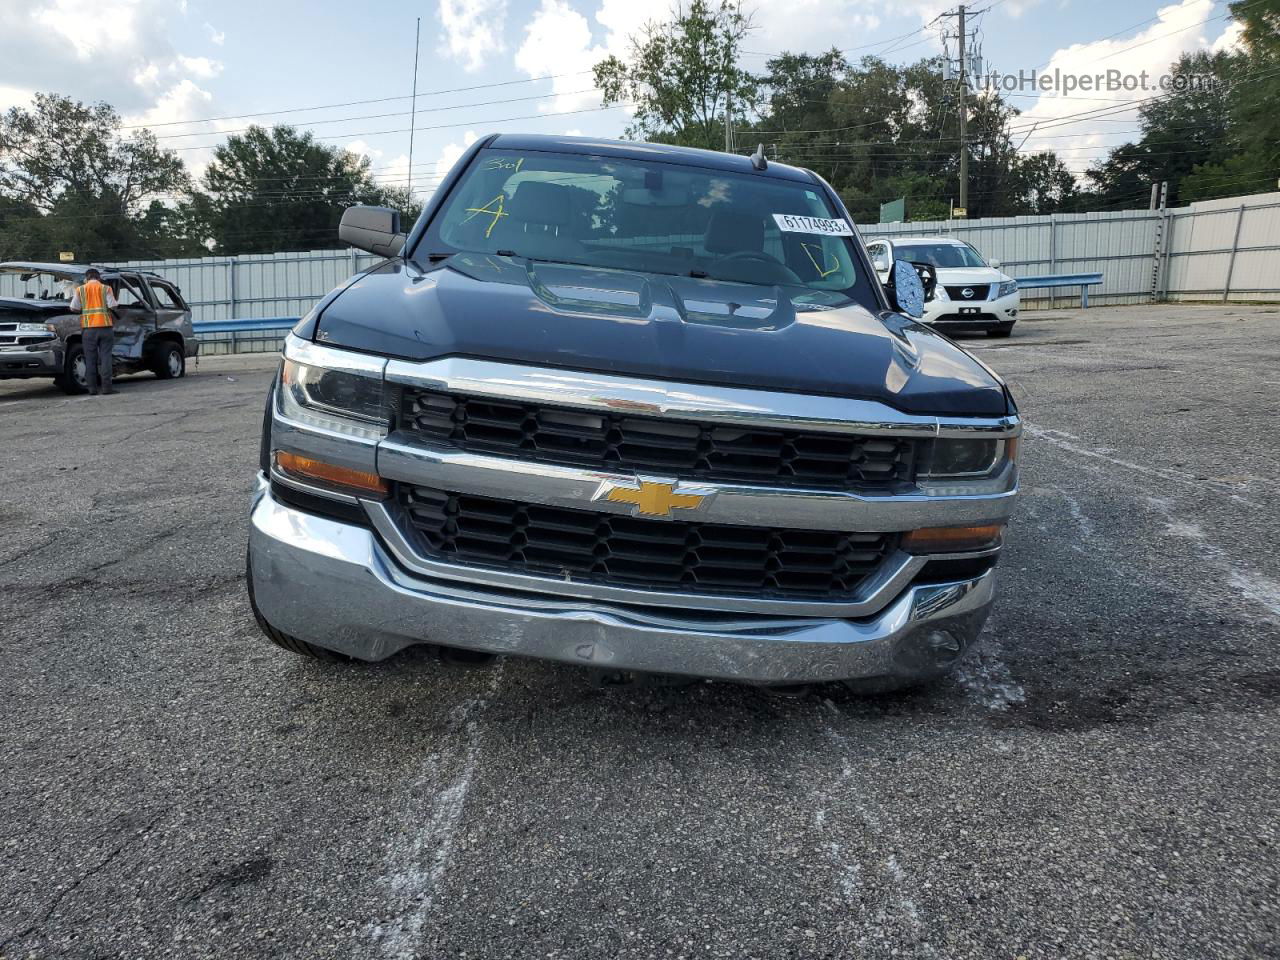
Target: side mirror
993, 264
375, 229
908, 289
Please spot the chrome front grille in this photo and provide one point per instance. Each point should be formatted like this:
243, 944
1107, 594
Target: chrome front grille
621, 442
583, 545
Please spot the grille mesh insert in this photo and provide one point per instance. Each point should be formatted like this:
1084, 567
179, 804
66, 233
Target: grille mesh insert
669, 447
640, 552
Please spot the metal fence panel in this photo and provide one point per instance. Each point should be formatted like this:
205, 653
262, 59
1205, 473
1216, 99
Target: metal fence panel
1213, 250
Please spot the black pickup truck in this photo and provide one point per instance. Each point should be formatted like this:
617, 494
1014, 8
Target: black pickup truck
637, 407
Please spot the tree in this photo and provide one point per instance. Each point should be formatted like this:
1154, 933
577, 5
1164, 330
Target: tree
71, 180
877, 131
1189, 127
279, 189
1253, 89
682, 76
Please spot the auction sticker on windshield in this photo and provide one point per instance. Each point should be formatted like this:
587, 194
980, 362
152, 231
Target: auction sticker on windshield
793, 223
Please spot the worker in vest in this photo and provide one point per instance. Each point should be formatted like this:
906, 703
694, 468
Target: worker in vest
95, 301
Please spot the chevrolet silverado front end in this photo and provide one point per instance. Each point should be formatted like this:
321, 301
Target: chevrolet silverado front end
643, 409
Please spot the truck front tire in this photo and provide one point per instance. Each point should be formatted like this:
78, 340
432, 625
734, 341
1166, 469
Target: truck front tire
283, 640
68, 382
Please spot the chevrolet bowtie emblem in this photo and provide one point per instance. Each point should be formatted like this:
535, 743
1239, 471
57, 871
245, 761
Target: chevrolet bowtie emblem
654, 498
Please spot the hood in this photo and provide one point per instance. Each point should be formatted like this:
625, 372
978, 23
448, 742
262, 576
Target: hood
655, 326
32, 308
954, 275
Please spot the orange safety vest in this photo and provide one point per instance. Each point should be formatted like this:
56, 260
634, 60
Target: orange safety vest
93, 305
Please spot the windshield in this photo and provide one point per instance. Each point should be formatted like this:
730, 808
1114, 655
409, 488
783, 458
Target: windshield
31, 285
651, 217
939, 254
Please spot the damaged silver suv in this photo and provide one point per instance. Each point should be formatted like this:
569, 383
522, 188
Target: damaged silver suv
40, 336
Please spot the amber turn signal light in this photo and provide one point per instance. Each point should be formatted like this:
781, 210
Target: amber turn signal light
952, 539
341, 479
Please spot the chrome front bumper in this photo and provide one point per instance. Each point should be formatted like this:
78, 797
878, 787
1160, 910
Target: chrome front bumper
30, 363
334, 585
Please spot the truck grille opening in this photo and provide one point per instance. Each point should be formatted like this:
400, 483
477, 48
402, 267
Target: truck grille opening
638, 552
668, 447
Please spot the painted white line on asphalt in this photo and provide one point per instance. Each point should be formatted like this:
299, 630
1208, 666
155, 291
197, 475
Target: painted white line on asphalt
418, 860
1248, 583
1066, 441
849, 871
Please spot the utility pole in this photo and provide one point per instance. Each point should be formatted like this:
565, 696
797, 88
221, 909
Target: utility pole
413, 107
964, 127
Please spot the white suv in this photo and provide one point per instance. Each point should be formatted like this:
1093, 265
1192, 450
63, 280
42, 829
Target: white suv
972, 294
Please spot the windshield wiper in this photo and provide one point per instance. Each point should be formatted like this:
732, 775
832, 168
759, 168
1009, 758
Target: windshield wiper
525, 256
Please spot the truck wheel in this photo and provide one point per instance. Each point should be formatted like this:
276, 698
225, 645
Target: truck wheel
72, 380
170, 362
283, 640
1001, 331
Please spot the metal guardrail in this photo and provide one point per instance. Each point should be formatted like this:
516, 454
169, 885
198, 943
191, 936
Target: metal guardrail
238, 325
1081, 280
243, 324
242, 334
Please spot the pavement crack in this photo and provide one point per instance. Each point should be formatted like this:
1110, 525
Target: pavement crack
36, 548
74, 885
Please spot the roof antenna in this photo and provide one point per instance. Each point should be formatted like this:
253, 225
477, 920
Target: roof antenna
757, 159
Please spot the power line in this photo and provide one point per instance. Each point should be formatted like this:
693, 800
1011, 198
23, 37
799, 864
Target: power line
381, 116
355, 103
440, 126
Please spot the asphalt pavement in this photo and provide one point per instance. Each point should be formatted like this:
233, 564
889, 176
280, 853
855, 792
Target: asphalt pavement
1099, 780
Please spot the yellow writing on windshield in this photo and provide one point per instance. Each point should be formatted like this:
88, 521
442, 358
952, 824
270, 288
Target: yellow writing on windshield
493, 208
809, 248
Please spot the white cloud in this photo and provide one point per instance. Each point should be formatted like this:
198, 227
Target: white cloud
558, 41
119, 51
394, 171
449, 155
1178, 29
812, 26
473, 30
80, 23
1230, 39
182, 101
200, 66
216, 36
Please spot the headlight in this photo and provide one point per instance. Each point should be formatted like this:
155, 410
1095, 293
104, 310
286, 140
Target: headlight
963, 459
36, 328
1006, 288
343, 401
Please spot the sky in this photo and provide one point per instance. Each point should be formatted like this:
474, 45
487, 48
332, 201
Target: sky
193, 70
